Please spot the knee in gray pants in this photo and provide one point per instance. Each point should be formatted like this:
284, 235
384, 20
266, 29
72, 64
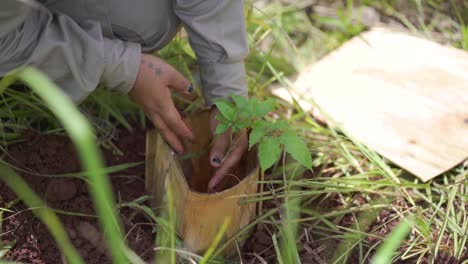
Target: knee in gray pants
151, 23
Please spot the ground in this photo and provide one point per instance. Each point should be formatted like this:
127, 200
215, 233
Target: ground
347, 201
41, 156
49, 155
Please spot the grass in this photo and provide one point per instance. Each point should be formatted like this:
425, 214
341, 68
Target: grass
353, 203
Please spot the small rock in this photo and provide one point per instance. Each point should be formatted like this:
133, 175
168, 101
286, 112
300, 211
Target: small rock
60, 190
368, 16
91, 233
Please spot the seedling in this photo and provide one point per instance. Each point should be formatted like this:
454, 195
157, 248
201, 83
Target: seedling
271, 137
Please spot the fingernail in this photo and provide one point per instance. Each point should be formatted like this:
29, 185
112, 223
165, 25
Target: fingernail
217, 160
190, 88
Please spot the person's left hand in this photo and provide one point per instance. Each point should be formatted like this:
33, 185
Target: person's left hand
226, 151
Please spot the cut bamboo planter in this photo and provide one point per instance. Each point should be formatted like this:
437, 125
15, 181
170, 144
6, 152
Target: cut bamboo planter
200, 214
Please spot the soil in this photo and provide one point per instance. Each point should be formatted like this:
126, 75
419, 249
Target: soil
40, 156
50, 154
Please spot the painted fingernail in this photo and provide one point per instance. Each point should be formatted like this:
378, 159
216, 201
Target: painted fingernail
190, 88
217, 160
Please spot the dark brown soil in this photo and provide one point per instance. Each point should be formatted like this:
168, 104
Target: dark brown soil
47, 155
40, 156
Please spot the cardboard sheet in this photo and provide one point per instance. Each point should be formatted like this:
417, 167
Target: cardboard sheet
402, 96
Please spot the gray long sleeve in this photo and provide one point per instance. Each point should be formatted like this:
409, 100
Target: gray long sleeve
77, 57
218, 36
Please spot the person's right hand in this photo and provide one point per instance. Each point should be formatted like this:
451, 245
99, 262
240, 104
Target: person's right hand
152, 92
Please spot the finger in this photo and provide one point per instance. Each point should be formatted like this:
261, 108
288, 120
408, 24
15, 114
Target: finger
221, 142
167, 134
218, 151
174, 121
180, 84
230, 162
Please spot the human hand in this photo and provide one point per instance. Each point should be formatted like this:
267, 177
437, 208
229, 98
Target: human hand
226, 152
152, 92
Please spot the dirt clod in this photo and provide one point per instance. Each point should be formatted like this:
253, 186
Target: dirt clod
60, 190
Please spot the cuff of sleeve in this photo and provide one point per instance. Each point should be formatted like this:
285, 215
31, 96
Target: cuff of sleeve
220, 80
122, 63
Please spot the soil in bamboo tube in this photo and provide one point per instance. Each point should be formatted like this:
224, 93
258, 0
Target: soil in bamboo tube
198, 171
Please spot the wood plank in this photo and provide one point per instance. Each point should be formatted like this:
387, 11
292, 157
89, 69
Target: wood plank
402, 96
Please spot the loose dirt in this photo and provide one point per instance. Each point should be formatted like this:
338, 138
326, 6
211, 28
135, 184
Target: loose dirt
40, 156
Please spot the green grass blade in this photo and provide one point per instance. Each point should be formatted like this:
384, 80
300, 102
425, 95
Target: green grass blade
386, 251
363, 221
288, 231
209, 252
83, 137
277, 250
47, 216
166, 234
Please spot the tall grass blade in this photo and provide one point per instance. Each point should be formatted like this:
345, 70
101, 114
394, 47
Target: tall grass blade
209, 252
363, 221
166, 234
82, 135
388, 248
288, 231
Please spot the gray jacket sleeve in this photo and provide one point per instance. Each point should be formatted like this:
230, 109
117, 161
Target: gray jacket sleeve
217, 34
77, 57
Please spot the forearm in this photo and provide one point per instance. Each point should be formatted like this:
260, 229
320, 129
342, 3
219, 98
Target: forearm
218, 36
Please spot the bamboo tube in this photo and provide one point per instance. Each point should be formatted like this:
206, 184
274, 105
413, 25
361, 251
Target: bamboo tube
200, 214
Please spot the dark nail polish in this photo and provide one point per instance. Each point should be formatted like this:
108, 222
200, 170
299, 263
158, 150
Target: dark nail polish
190, 88
217, 160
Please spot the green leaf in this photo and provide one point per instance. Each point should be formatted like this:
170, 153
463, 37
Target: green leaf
221, 128
269, 150
256, 135
240, 124
297, 148
221, 118
227, 109
260, 109
244, 107
241, 102
281, 125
